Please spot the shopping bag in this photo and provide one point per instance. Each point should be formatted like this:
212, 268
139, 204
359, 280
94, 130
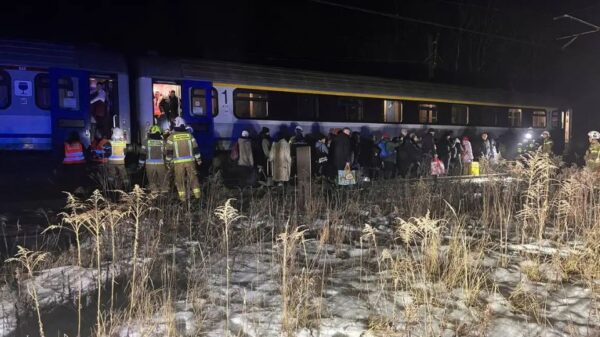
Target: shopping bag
346, 177
437, 167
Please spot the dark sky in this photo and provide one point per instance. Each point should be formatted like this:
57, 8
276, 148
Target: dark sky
509, 44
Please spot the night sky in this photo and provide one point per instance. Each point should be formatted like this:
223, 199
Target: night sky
501, 44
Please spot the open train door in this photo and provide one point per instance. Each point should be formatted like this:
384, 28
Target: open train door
197, 110
69, 105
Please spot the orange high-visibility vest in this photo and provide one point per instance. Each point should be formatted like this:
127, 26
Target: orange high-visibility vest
74, 154
99, 153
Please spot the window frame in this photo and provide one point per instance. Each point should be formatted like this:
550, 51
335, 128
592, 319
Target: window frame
511, 117
467, 119
36, 87
400, 110
76, 94
214, 93
533, 115
432, 113
7, 80
249, 99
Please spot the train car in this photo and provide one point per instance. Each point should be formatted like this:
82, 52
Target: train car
221, 99
48, 91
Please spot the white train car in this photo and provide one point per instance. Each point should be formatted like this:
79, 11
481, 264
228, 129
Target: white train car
221, 99
45, 94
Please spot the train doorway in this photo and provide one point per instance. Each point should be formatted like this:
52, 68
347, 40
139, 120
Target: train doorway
166, 101
103, 105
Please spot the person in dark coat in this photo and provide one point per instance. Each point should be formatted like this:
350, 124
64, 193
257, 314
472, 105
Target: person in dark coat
415, 156
445, 149
341, 150
261, 147
170, 105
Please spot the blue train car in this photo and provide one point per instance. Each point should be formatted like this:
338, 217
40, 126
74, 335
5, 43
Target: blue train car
48, 91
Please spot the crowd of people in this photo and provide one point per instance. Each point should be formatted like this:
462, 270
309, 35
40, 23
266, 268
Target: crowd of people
170, 152
379, 156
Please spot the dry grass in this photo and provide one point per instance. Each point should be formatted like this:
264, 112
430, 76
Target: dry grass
431, 241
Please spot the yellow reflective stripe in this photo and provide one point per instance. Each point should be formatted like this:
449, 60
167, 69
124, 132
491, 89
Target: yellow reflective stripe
186, 160
181, 136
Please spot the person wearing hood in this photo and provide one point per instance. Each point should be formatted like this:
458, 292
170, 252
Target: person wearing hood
181, 150
445, 149
117, 172
245, 150
321, 154
281, 161
466, 155
388, 156
152, 158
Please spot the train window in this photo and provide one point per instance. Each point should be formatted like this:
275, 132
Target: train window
515, 117
539, 118
250, 104
198, 102
42, 91
459, 114
556, 121
351, 108
5, 93
392, 111
68, 93
428, 113
373, 110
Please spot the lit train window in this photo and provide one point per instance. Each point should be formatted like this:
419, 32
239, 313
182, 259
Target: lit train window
392, 111
42, 91
515, 117
428, 113
539, 118
4, 89
250, 104
459, 114
198, 102
68, 93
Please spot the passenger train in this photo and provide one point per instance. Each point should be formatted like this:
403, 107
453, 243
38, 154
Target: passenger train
45, 95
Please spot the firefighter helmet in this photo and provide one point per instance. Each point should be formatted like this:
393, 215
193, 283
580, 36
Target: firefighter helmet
154, 129
594, 135
545, 133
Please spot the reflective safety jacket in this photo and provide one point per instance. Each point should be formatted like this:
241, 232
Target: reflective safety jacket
117, 152
74, 153
153, 152
100, 150
547, 146
592, 156
181, 147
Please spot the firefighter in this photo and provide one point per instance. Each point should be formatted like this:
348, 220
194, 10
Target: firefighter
547, 143
182, 152
117, 172
152, 156
592, 156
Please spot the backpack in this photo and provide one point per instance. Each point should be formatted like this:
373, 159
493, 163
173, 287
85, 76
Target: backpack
234, 154
383, 153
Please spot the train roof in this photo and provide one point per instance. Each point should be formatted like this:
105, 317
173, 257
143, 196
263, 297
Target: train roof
227, 73
46, 55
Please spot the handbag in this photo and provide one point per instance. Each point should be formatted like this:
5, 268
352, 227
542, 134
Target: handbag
347, 176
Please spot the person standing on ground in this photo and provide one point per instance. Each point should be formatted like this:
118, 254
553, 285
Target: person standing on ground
117, 172
467, 155
547, 143
245, 150
321, 154
181, 150
152, 157
261, 147
281, 161
388, 156
592, 155
341, 150
487, 148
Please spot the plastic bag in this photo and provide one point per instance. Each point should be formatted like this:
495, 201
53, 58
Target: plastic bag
437, 167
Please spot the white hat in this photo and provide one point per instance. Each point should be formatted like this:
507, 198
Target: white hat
117, 134
545, 133
245, 134
299, 128
179, 121
594, 134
